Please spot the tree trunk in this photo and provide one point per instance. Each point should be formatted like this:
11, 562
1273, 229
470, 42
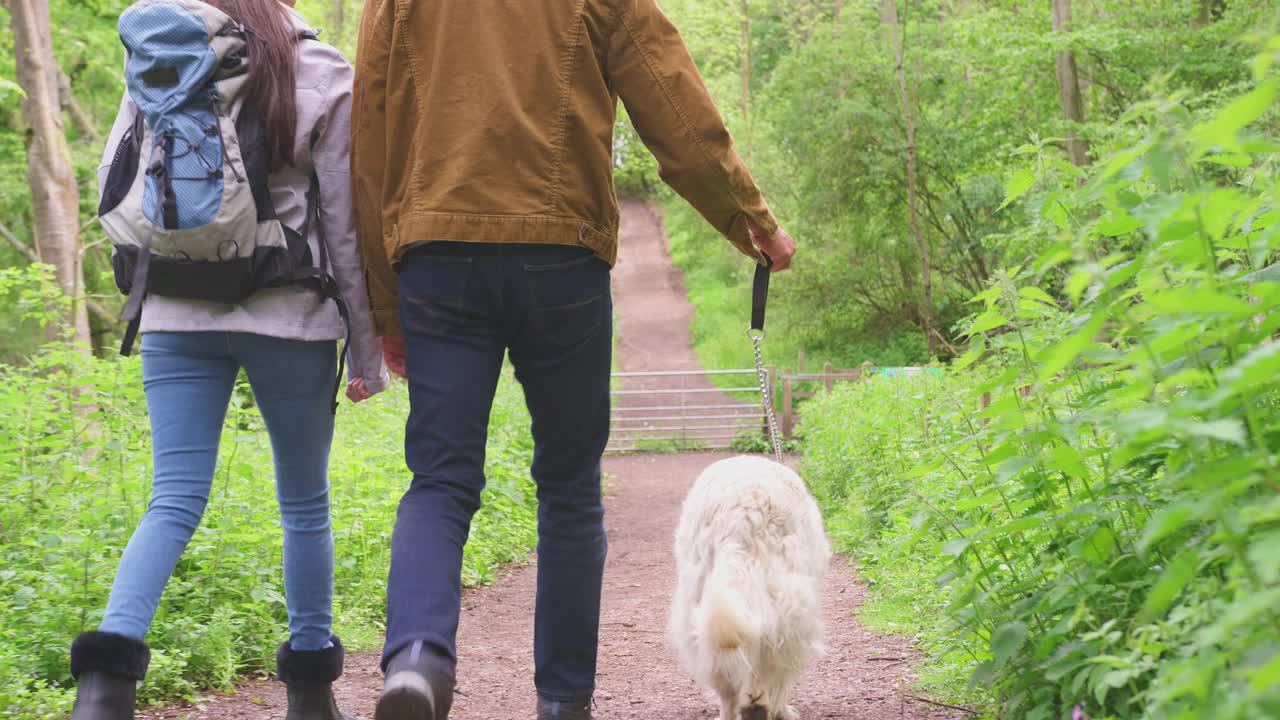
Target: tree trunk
79, 118
745, 72
338, 19
55, 198
1210, 12
889, 17
1069, 87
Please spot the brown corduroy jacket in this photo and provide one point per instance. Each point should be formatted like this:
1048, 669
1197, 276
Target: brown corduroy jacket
492, 121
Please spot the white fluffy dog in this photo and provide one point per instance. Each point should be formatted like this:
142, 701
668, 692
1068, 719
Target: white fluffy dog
747, 614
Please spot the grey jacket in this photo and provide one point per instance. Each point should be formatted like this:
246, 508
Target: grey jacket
294, 313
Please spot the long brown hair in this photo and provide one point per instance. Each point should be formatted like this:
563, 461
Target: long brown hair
273, 76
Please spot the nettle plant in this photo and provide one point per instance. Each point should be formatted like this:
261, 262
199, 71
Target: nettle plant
1116, 530
70, 446
75, 477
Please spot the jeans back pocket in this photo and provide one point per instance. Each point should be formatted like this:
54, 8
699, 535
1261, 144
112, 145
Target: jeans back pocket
569, 298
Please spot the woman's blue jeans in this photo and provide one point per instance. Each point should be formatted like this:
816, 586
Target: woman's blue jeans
189, 377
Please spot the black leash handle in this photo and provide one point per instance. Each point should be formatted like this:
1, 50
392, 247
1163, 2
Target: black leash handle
760, 294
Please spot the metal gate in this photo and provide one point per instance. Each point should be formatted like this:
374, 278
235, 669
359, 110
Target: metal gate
684, 409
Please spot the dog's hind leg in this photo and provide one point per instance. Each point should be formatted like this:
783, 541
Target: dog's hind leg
728, 704
728, 708
778, 699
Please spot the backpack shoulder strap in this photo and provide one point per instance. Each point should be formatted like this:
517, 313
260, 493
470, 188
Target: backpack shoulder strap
322, 279
313, 210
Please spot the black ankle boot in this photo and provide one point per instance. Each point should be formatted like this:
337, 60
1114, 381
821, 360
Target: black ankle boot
552, 710
419, 686
107, 668
308, 675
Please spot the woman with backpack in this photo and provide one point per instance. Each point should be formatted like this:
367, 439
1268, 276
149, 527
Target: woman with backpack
284, 333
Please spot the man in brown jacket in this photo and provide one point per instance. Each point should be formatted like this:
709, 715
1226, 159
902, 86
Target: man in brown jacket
481, 156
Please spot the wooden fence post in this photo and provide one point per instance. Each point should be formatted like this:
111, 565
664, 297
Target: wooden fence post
827, 370
787, 404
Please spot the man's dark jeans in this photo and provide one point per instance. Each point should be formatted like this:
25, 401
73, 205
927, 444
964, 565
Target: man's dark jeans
461, 307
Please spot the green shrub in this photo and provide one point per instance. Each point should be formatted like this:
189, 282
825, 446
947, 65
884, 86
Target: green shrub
75, 471
1105, 534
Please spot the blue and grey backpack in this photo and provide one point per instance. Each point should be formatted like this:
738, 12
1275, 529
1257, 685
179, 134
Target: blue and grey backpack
186, 201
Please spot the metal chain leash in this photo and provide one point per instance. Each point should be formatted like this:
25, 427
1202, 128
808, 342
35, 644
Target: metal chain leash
766, 394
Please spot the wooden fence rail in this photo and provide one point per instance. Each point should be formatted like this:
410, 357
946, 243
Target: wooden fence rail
794, 386
798, 385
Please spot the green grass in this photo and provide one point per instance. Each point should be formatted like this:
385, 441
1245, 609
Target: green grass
75, 486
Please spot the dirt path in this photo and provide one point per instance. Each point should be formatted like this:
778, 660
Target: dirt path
653, 318
650, 301
862, 677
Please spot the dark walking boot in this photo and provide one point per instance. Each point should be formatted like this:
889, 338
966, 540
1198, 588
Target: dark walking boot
107, 668
553, 710
309, 675
419, 686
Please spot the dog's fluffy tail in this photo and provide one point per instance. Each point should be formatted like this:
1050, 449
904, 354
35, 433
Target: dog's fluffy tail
728, 620
727, 623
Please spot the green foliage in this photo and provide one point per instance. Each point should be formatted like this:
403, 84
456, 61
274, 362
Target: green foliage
758, 443
88, 51
635, 171
1104, 534
36, 302
337, 21
719, 286
75, 470
827, 144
